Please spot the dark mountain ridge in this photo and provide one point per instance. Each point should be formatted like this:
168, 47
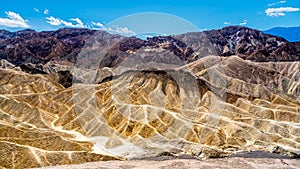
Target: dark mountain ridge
63, 45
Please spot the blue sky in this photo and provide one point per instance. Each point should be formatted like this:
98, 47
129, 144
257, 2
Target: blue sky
204, 14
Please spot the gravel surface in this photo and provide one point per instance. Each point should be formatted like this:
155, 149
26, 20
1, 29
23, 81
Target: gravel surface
250, 160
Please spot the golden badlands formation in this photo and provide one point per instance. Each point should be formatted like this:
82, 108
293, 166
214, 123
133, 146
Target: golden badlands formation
202, 107
149, 113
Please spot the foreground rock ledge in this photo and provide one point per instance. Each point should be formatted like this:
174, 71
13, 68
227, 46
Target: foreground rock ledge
222, 163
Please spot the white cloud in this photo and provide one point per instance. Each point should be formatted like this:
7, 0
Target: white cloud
275, 12
36, 10
74, 22
46, 11
78, 22
113, 29
226, 23
278, 2
121, 30
98, 24
13, 20
70, 24
245, 22
53, 21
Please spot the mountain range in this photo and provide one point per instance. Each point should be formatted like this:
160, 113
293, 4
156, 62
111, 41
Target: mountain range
29, 46
291, 34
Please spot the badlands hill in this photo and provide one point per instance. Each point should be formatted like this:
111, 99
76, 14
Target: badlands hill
56, 110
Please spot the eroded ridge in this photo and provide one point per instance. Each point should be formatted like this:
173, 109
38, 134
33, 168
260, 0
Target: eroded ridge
147, 113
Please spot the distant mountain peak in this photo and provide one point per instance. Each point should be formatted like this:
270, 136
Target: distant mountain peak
292, 34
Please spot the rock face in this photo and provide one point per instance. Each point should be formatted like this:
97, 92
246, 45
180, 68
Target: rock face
146, 98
